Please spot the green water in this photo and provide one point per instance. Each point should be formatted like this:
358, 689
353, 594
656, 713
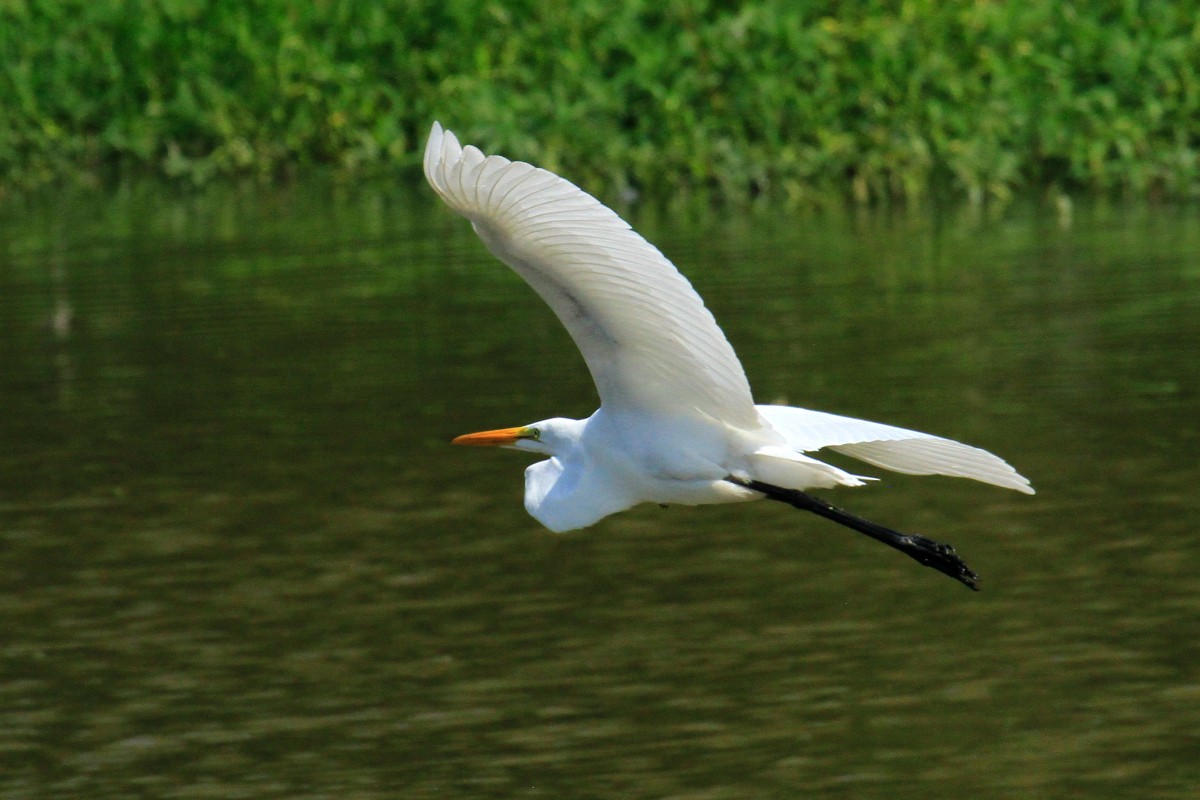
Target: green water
240, 559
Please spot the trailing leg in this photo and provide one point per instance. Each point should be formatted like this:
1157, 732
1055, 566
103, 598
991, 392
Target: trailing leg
924, 550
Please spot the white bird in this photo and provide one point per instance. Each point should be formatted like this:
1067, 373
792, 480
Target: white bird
677, 422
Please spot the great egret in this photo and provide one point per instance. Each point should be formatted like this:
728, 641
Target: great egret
676, 423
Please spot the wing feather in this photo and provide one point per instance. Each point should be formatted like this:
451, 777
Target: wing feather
897, 449
645, 334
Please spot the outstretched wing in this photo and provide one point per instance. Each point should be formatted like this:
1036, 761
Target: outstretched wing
645, 334
897, 449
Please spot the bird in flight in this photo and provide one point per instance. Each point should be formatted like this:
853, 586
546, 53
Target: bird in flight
677, 422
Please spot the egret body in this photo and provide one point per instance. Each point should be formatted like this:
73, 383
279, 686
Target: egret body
677, 422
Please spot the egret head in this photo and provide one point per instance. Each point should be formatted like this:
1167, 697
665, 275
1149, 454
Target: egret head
551, 437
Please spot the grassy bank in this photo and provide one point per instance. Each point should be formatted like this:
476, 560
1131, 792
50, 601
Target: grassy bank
868, 99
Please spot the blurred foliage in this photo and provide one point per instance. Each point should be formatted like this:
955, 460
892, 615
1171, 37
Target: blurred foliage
792, 98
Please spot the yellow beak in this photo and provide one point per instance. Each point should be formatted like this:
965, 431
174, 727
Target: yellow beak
496, 438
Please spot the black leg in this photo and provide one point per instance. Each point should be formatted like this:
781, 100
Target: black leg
928, 552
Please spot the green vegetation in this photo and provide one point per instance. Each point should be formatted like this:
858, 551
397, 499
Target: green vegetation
796, 99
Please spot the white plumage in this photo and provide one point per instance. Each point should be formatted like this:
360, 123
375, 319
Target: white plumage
646, 336
677, 418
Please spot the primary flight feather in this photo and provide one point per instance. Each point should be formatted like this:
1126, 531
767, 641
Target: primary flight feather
677, 422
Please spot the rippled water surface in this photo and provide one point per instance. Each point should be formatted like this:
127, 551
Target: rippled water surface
240, 559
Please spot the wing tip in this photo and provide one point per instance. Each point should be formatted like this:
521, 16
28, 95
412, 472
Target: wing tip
433, 150
451, 168
1008, 479
441, 151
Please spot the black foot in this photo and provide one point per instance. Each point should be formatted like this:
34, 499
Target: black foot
941, 557
931, 553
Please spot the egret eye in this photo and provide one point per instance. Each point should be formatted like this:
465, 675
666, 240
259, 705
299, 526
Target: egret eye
533, 433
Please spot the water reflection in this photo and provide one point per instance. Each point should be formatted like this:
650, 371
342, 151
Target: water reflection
240, 558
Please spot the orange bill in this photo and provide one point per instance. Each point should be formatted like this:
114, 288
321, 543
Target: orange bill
496, 438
